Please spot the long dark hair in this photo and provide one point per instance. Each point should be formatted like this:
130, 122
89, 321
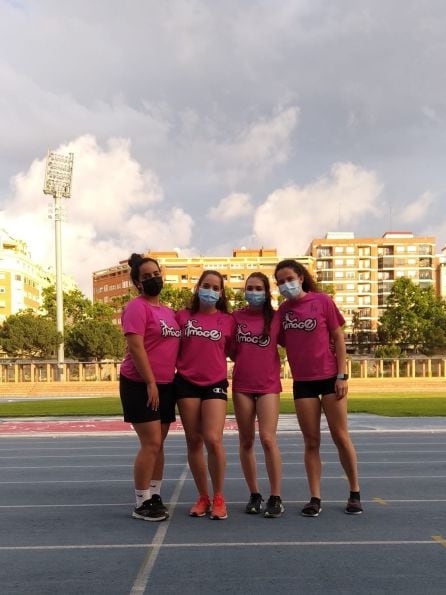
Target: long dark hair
308, 284
267, 309
222, 303
135, 261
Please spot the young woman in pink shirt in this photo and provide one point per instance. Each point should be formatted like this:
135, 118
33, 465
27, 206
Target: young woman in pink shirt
256, 389
146, 381
201, 388
310, 320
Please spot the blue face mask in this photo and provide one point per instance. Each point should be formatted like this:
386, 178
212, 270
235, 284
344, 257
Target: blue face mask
290, 289
255, 298
208, 297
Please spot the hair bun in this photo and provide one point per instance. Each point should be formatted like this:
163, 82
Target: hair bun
134, 259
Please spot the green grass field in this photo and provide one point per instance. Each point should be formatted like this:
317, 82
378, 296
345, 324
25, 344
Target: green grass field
387, 404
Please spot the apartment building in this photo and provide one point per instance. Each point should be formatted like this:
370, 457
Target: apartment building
362, 271
182, 271
21, 279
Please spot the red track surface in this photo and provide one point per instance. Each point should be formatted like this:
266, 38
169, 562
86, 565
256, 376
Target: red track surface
77, 426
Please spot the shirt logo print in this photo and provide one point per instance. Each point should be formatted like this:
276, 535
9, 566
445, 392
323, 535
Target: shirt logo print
248, 337
169, 331
291, 322
193, 329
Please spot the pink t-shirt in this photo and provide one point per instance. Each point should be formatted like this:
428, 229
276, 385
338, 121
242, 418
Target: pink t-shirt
205, 341
158, 326
256, 360
306, 323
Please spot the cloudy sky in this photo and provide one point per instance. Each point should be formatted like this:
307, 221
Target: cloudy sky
203, 125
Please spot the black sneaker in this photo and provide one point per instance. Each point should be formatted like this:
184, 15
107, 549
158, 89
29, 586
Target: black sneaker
353, 506
149, 512
274, 507
254, 505
158, 503
312, 508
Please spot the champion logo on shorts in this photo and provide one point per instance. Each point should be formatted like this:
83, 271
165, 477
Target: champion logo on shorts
290, 322
169, 331
193, 329
248, 337
219, 391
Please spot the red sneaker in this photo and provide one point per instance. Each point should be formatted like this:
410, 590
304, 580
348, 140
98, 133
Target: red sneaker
218, 510
201, 506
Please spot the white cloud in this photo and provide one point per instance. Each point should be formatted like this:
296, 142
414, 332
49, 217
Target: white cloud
416, 211
292, 216
115, 209
233, 206
259, 146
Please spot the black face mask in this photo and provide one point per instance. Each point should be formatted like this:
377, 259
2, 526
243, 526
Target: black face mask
153, 286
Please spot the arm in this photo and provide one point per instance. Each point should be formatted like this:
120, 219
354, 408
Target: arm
337, 336
135, 344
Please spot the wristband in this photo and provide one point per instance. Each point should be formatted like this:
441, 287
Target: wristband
342, 377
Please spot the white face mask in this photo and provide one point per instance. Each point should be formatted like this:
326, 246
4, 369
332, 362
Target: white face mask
290, 289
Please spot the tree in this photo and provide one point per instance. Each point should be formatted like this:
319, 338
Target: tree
414, 318
177, 299
76, 307
94, 339
28, 335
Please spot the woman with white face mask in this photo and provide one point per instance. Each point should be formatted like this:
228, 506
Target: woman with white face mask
310, 320
255, 390
201, 387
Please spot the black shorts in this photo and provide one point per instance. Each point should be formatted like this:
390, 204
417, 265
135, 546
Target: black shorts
186, 389
304, 389
134, 402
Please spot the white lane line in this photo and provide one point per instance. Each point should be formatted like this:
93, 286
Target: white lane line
229, 502
219, 544
150, 558
235, 464
238, 478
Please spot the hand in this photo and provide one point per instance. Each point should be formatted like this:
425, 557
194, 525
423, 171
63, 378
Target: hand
341, 387
153, 400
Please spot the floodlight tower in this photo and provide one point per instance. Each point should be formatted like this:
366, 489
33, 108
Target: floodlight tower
58, 174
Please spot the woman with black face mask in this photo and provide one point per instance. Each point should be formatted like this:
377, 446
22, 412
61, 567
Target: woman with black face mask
146, 381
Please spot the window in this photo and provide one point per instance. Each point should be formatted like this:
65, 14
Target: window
339, 262
339, 250
350, 250
350, 262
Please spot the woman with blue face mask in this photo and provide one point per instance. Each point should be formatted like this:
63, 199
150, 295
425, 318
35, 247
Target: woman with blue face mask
201, 387
310, 322
256, 388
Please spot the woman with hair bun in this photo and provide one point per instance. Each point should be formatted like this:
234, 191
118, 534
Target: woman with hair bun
146, 381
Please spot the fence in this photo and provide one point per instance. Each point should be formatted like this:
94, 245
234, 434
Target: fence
36, 371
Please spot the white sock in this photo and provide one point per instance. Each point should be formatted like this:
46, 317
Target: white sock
155, 486
142, 496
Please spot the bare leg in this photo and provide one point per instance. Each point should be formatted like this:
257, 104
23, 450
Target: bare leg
309, 417
336, 413
213, 412
245, 413
159, 464
149, 434
267, 407
190, 413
